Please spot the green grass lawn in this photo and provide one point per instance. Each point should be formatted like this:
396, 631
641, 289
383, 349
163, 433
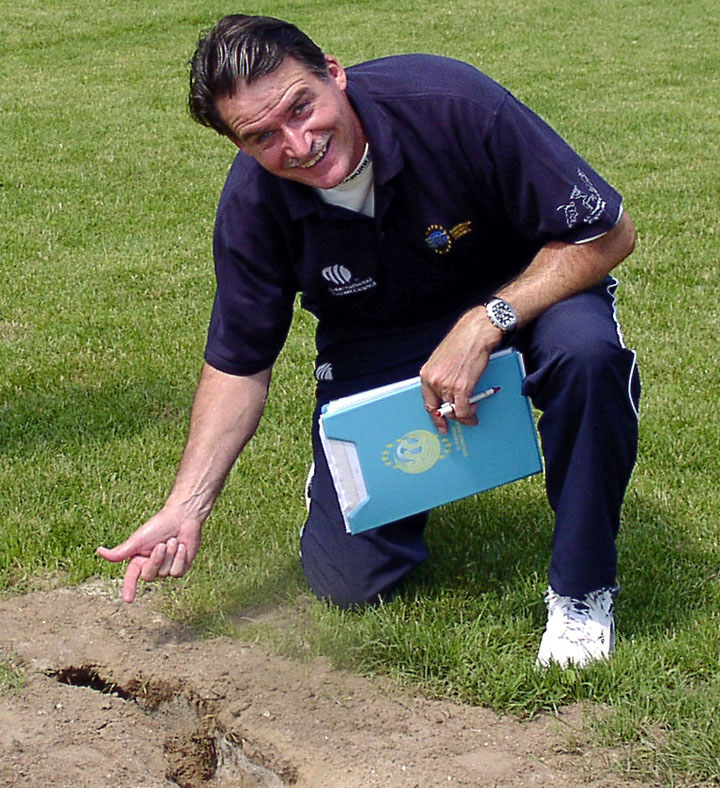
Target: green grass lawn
107, 198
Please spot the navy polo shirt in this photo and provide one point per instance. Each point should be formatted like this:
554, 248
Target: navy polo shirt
469, 185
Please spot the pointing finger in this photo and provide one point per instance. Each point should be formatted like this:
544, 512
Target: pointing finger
132, 573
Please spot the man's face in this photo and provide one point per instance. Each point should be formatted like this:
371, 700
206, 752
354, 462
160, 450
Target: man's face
297, 125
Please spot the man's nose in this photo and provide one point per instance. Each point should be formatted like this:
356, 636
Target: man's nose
297, 142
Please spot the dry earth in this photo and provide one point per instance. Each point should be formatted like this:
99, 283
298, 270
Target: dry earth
117, 695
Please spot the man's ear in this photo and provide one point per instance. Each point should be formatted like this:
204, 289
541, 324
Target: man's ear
336, 71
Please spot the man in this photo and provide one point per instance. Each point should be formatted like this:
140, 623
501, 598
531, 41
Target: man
428, 218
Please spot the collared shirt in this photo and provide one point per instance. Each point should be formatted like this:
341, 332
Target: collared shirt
469, 185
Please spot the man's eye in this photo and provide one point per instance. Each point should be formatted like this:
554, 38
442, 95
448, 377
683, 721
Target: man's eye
264, 137
301, 108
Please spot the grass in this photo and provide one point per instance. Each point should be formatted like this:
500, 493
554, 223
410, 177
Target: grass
11, 677
107, 197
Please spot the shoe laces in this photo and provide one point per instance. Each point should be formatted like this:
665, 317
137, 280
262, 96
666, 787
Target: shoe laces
573, 614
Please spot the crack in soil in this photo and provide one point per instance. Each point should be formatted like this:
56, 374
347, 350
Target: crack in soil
199, 751
88, 676
118, 695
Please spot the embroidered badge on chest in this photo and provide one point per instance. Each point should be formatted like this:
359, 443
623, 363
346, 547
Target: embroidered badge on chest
440, 240
343, 283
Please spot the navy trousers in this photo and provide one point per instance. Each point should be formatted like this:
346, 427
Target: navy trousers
585, 382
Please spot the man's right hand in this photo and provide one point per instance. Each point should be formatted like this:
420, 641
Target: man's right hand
226, 412
166, 545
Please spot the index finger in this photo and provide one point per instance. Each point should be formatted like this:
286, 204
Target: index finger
432, 402
130, 581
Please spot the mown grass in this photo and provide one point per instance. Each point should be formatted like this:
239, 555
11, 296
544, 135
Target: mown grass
107, 197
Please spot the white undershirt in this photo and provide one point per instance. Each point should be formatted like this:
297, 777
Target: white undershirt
356, 192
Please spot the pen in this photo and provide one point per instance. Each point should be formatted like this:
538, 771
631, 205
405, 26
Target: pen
448, 407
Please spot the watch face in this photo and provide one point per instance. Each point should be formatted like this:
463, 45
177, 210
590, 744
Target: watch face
502, 314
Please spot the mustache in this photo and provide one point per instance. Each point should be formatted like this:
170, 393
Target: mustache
318, 147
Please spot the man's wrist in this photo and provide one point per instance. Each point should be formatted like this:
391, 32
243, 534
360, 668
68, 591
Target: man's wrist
501, 314
189, 505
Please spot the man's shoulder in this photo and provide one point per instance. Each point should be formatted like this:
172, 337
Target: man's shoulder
244, 170
422, 75
248, 181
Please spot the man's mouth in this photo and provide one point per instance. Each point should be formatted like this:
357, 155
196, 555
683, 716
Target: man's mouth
318, 154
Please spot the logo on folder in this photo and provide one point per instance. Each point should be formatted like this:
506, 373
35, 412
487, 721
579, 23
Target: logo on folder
416, 451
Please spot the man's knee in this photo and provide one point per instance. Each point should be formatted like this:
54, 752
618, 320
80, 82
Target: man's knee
351, 571
343, 586
577, 345
589, 358
585, 369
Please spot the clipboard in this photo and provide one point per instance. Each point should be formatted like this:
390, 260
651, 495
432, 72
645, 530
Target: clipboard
388, 461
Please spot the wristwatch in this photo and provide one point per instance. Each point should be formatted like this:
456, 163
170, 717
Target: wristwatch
501, 315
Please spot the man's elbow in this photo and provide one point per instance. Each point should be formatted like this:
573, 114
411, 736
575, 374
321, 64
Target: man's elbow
627, 236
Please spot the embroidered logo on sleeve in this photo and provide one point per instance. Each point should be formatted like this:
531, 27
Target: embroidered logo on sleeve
344, 283
440, 240
324, 371
586, 206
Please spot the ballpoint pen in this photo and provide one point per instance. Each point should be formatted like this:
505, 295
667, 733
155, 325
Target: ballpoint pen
449, 407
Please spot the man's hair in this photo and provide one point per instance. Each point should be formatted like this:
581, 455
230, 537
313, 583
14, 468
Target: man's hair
241, 49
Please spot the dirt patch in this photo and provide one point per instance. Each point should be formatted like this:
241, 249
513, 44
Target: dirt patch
118, 695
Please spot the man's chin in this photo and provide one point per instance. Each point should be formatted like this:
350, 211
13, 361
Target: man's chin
319, 176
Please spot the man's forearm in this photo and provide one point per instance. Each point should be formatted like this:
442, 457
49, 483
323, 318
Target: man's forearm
225, 415
560, 270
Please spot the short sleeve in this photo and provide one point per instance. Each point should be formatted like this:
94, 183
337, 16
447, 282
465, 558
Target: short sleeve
255, 292
548, 191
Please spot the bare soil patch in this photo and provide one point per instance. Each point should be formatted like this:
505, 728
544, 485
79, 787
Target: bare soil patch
117, 695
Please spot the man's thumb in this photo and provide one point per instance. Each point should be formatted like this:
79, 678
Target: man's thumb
114, 554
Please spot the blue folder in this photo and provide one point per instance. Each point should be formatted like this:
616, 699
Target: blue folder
388, 461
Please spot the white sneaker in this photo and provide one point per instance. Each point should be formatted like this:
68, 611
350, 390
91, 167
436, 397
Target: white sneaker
578, 630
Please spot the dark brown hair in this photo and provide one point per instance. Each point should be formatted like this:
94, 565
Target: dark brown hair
241, 49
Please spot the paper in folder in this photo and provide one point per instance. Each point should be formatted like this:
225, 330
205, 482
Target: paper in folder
388, 461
